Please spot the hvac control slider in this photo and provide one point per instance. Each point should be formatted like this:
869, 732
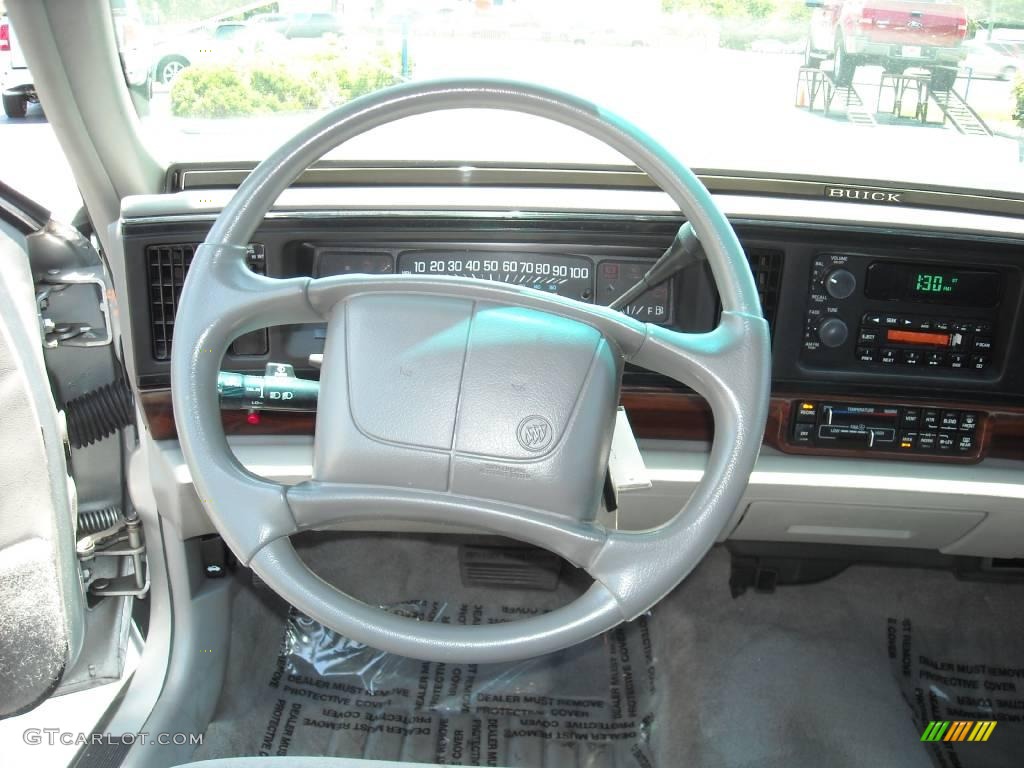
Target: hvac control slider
278, 389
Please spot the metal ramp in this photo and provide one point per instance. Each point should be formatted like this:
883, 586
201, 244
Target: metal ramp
817, 90
956, 109
856, 112
814, 85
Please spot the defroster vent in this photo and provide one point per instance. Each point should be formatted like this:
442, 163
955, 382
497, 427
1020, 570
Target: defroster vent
766, 265
167, 266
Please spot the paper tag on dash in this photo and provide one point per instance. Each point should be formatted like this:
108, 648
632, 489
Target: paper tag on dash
625, 464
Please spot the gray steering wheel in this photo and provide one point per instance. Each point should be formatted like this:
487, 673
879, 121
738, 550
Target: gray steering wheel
475, 404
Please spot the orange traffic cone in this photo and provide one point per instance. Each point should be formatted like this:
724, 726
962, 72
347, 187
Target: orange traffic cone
801, 95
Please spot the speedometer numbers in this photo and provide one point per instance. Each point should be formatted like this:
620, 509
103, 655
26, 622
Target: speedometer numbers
571, 276
564, 275
595, 281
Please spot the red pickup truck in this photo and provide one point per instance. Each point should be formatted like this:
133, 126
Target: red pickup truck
894, 33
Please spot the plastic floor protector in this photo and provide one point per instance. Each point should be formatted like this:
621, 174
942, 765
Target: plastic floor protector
804, 677
592, 706
966, 691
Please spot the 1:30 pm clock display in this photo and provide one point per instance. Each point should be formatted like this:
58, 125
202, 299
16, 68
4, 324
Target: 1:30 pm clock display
935, 282
903, 281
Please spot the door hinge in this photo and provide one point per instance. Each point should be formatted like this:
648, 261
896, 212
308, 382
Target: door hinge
123, 539
61, 308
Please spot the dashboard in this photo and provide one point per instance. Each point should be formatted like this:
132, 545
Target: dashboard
887, 342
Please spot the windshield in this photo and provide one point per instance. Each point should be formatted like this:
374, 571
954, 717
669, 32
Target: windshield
924, 92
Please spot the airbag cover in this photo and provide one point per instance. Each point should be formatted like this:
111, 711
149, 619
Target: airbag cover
477, 399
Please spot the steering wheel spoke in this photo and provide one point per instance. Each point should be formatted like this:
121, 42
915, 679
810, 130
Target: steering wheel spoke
244, 301
717, 364
594, 612
322, 505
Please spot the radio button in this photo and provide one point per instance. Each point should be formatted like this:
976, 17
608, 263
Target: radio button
911, 357
888, 356
957, 360
968, 422
941, 325
983, 327
931, 418
867, 337
950, 419
923, 325
890, 320
926, 441
963, 327
935, 359
867, 354
907, 322
871, 319
983, 343
978, 362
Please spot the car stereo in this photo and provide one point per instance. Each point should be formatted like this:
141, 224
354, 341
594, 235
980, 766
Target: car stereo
867, 313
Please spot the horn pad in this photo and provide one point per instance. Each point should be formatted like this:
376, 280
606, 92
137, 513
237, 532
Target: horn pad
475, 399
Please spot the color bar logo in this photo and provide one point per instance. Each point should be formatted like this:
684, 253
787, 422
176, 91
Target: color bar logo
958, 730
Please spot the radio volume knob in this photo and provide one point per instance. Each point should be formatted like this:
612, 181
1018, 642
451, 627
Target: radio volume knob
833, 332
840, 283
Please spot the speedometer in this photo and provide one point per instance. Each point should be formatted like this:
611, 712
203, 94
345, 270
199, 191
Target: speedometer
565, 275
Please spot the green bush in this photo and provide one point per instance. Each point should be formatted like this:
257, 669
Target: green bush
739, 34
281, 91
1018, 96
365, 77
318, 81
211, 92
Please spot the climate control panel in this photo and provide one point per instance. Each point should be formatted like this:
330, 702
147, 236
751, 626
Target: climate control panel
876, 315
874, 427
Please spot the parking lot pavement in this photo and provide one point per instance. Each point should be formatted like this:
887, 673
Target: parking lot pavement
32, 162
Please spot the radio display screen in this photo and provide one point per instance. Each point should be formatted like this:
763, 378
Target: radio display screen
931, 284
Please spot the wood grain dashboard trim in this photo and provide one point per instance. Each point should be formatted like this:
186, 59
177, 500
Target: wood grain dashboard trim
665, 414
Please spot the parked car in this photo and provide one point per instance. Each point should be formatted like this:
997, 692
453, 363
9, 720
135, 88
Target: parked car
18, 90
896, 34
218, 43
989, 58
134, 52
310, 25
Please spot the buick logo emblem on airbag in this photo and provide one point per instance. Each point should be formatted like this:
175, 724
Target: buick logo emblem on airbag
534, 433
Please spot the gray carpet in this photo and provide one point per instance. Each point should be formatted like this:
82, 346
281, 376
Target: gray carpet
805, 676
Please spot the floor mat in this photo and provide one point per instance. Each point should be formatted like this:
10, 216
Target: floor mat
592, 706
792, 679
297, 688
965, 689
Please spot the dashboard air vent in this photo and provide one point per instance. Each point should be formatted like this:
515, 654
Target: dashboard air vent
766, 264
167, 266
